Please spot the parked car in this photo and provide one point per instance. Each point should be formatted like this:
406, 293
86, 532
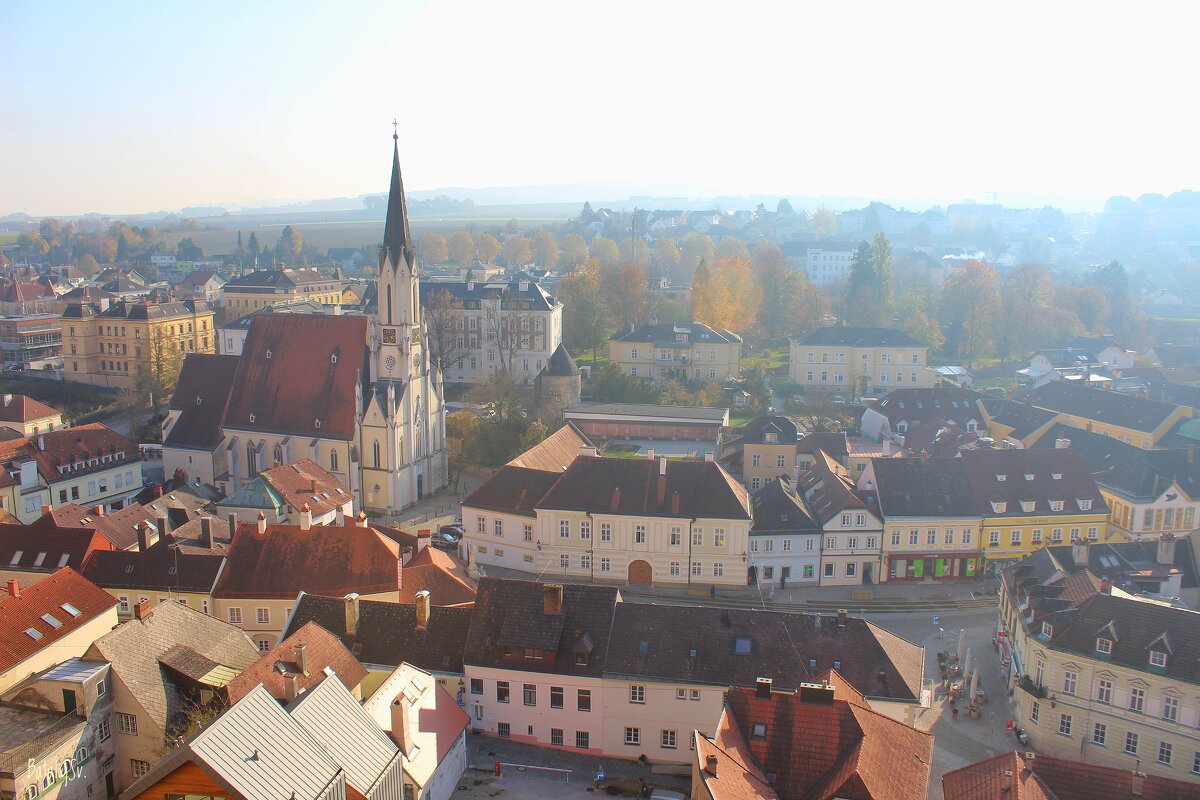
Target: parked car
447, 537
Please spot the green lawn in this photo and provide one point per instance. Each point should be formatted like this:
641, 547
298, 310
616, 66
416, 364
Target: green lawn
767, 360
9, 237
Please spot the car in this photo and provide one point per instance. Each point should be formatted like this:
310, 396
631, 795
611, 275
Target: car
839, 400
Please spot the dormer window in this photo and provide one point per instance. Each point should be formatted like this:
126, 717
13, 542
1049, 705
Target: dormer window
1056, 505
759, 731
1047, 630
1028, 476
1104, 646
999, 508
772, 437
1001, 478
1027, 505
1158, 658
581, 659
1056, 476
1085, 505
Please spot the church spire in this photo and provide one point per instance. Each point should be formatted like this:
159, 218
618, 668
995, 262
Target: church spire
397, 241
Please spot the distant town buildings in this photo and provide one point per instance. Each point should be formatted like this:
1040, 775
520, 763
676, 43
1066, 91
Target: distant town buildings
859, 360
679, 351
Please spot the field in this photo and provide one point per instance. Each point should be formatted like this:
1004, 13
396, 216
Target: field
9, 237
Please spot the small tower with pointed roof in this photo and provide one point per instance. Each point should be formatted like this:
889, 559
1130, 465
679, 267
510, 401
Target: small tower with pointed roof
558, 386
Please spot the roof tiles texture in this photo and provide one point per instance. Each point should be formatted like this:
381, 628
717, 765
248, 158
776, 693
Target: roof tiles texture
49, 597
1046, 778
321, 649
439, 573
303, 483
201, 394
1113, 408
20, 408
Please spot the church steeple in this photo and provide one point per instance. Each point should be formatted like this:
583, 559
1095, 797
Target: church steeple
397, 241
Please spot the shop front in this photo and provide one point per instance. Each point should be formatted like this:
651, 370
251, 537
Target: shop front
932, 566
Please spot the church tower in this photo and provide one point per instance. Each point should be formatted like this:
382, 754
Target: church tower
403, 450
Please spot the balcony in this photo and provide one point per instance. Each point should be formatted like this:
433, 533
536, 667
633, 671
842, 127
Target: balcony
1026, 684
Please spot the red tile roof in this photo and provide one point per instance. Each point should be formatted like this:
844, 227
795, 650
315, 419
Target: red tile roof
555, 453
738, 776
303, 482
119, 527
442, 575
48, 597
20, 408
1046, 778
322, 649
29, 548
330, 560
301, 375
201, 394
516, 490
837, 747
71, 447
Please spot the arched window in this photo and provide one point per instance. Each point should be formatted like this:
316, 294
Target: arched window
389, 305
277, 454
251, 465
333, 460
375, 447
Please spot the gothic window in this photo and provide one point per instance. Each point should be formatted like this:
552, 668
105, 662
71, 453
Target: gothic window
251, 465
277, 454
333, 460
375, 447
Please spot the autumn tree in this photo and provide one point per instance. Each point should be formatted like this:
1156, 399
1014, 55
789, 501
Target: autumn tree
635, 250
784, 206
768, 258
610, 384
790, 304
88, 265
587, 320
441, 312
460, 247
970, 310
544, 249
666, 256
731, 247
862, 303
159, 372
508, 325
824, 222
487, 247
925, 330
1028, 293
289, 246
627, 293
1124, 308
572, 251
431, 248
881, 260
1087, 303
516, 251
696, 248
605, 251
728, 297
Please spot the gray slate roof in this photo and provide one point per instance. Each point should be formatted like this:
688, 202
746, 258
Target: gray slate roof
845, 336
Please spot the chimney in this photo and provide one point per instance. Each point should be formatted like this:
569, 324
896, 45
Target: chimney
424, 537
47, 509
262, 523
143, 536
588, 451
14, 588
1062, 443
98, 511
616, 498
1166, 549
650, 454
1105, 586
1007, 780
7, 400
843, 614
421, 607
361, 520
305, 517
1191, 455
157, 490
924, 455
708, 455
161, 523
142, 609
289, 687
1079, 552
42, 443
710, 766
232, 525
675, 502
762, 688
352, 612
796, 475
662, 481
552, 598
402, 724
206, 533
1138, 785
301, 658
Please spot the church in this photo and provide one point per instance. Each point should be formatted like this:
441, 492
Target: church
357, 394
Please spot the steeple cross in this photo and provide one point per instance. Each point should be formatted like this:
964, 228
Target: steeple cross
395, 129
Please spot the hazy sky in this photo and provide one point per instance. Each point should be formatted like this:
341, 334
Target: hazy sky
124, 107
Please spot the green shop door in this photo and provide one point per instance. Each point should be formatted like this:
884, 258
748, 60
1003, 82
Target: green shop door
918, 567
939, 567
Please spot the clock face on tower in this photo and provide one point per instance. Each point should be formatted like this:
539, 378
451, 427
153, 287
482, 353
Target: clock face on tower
389, 335
390, 363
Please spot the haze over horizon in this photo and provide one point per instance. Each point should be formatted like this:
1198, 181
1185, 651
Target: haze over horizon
142, 108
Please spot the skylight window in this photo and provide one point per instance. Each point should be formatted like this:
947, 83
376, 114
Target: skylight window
33, 633
741, 646
16, 559
52, 621
63, 559
41, 558
72, 610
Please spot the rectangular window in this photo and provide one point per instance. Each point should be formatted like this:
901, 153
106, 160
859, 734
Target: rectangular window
583, 699
605, 532
1069, 681
1164, 752
829, 569
696, 569
585, 561
1131, 743
1158, 658
1170, 709
1014, 538
501, 691
503, 730
1035, 711
262, 616
605, 564
949, 536
895, 538
556, 697
718, 537
1099, 734
103, 730
674, 568
124, 604
556, 737
138, 768
637, 694
639, 534
931, 536
1064, 725
564, 529
993, 538
564, 561
530, 694
581, 740
669, 740
1104, 692
633, 736
235, 616
676, 537
585, 529
127, 724
1137, 699
497, 527
718, 569
697, 537
914, 537
966, 535
476, 686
